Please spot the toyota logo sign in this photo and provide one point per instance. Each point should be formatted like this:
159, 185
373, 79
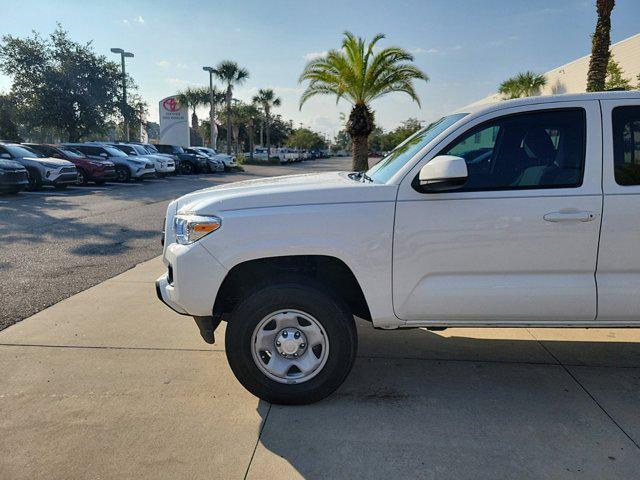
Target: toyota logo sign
170, 104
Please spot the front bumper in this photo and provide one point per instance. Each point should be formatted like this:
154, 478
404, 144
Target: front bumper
191, 285
62, 179
145, 173
106, 174
169, 168
11, 180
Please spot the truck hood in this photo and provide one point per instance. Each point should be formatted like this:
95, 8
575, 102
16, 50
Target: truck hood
306, 189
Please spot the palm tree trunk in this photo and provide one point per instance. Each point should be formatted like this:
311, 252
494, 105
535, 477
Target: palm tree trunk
261, 131
359, 126
267, 114
229, 119
251, 146
360, 153
600, 47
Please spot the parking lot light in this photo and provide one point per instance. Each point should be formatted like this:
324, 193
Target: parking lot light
212, 124
123, 54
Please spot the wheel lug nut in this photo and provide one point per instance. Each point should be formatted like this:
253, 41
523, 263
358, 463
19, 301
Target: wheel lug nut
278, 343
295, 354
296, 335
284, 334
302, 345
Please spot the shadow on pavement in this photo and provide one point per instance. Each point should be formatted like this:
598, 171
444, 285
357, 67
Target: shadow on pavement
486, 408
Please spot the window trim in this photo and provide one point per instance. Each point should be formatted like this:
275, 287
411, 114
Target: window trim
614, 142
494, 120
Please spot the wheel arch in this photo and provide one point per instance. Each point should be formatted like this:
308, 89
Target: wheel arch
331, 272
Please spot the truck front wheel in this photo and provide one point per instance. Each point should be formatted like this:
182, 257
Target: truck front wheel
291, 343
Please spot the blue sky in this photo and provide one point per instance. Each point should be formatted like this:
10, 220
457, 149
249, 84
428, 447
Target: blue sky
466, 47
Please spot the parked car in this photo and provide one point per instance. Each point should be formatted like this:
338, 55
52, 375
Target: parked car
541, 233
127, 167
150, 148
162, 164
42, 170
286, 155
214, 164
13, 177
228, 160
189, 163
96, 171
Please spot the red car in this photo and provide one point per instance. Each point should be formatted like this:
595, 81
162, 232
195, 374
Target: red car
89, 170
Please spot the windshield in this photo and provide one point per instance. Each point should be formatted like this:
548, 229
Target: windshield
140, 149
18, 151
127, 149
399, 156
72, 152
114, 152
151, 148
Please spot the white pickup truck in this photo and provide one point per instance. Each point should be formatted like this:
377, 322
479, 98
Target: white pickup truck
521, 213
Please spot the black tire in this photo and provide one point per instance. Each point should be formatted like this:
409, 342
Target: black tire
60, 187
124, 175
330, 311
35, 180
187, 168
83, 178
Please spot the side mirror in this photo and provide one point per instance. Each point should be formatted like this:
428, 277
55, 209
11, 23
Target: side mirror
104, 155
442, 173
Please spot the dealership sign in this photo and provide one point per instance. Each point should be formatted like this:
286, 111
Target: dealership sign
174, 122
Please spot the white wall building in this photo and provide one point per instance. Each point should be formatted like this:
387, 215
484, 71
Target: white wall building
572, 77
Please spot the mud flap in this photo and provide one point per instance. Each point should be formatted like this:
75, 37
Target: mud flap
207, 327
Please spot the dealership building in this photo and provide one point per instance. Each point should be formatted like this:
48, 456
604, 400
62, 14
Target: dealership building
572, 77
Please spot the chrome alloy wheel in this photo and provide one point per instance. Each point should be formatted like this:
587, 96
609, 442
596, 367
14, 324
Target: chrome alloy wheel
289, 346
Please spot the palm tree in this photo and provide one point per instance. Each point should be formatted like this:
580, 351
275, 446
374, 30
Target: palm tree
600, 41
218, 99
193, 98
231, 74
267, 99
526, 84
359, 75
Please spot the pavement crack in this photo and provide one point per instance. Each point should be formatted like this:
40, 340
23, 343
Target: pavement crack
110, 347
255, 447
588, 393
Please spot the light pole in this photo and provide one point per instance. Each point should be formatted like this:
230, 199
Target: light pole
124, 55
213, 135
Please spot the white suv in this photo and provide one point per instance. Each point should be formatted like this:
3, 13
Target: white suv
521, 213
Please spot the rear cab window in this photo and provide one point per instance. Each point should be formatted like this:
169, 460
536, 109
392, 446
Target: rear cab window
626, 145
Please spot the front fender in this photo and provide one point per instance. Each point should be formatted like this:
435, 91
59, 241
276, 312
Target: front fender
358, 234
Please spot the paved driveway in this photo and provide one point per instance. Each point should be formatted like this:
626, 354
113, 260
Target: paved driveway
109, 383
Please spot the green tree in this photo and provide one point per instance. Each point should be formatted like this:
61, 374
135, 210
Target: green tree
615, 77
525, 84
306, 139
193, 98
600, 41
342, 141
267, 99
231, 74
60, 85
280, 130
8, 124
360, 75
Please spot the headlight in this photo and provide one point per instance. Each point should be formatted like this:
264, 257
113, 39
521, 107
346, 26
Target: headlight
191, 228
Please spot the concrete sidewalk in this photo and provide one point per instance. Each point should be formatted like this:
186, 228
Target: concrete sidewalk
111, 384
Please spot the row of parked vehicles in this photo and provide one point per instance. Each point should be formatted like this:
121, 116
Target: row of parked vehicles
34, 165
288, 155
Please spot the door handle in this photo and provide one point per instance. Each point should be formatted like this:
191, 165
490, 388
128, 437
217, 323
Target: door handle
571, 216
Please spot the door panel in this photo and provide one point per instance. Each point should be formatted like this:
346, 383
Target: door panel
489, 256
618, 271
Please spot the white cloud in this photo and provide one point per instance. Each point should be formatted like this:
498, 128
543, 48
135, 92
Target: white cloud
457, 47
163, 63
139, 20
181, 82
125, 22
314, 55
419, 50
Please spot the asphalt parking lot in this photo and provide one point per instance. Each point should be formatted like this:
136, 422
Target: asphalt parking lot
55, 244
110, 383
